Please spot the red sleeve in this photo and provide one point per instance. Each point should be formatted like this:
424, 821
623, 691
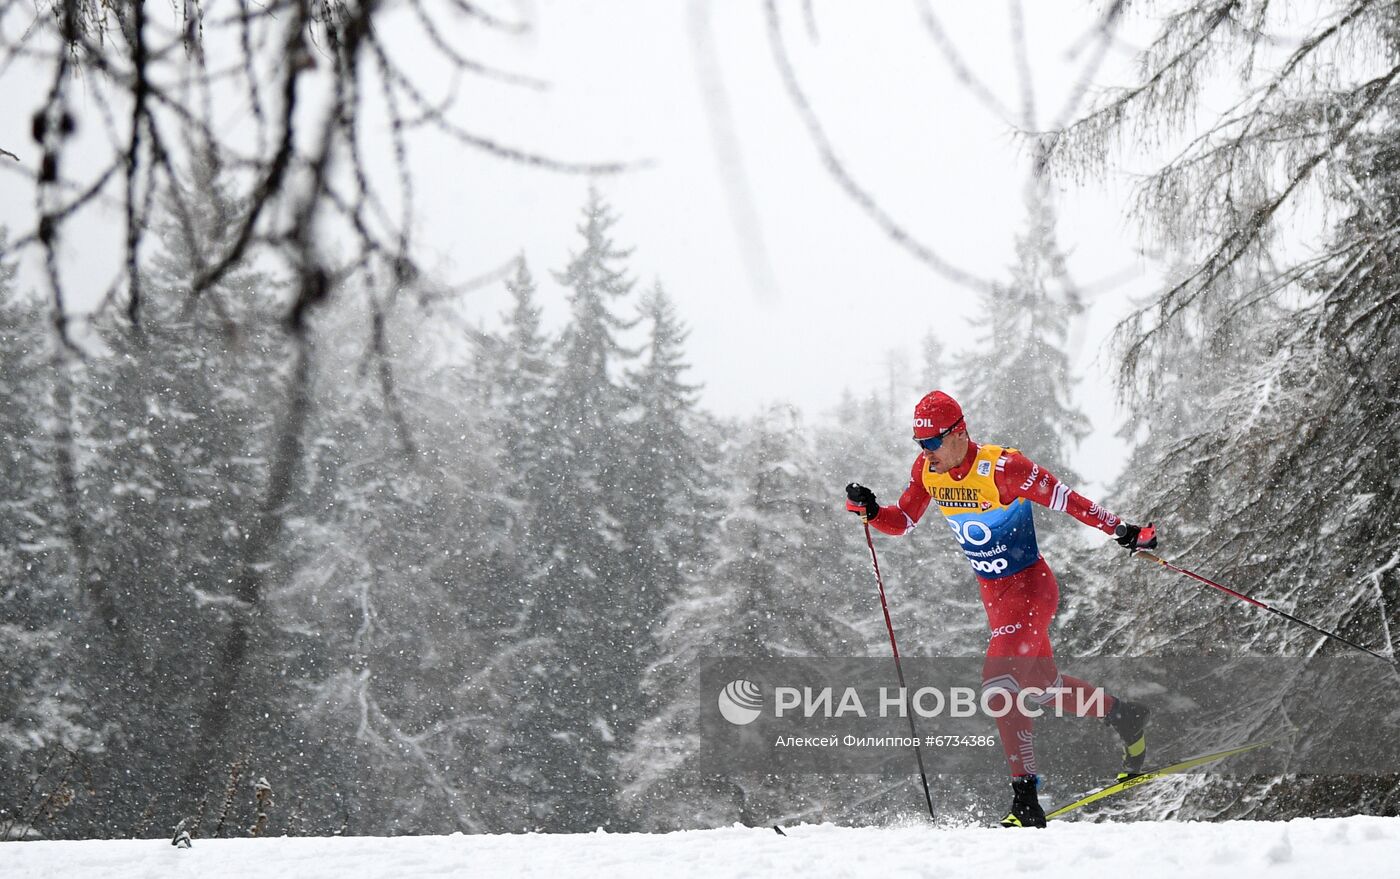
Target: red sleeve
1020, 477
900, 518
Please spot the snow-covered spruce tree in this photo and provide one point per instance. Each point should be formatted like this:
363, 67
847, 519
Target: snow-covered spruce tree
576, 711
397, 572
41, 707
507, 381
1017, 380
673, 502
471, 557
1296, 447
516, 370
676, 508
175, 421
933, 369
780, 587
1130, 610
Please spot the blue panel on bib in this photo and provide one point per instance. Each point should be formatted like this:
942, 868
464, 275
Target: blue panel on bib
998, 542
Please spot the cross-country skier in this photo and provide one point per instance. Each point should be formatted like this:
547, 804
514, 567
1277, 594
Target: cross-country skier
984, 493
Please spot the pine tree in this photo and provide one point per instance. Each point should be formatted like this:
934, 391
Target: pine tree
520, 376
934, 372
671, 502
513, 395
178, 417
574, 714
1019, 387
779, 587
41, 706
1273, 367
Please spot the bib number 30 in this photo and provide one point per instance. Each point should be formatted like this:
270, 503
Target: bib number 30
973, 534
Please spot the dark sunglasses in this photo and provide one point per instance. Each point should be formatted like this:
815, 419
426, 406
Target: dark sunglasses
934, 443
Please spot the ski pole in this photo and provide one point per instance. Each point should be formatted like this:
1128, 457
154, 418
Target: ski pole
1142, 553
899, 670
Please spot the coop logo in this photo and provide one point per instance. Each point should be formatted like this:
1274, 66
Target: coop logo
995, 566
740, 702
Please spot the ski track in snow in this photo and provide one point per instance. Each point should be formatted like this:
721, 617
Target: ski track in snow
1357, 846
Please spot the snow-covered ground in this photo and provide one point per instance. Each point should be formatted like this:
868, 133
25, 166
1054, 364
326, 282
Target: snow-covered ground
1351, 847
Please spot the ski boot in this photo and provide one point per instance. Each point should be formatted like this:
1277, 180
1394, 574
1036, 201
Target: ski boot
1129, 720
1025, 805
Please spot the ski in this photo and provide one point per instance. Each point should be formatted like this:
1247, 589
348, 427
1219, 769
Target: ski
1152, 775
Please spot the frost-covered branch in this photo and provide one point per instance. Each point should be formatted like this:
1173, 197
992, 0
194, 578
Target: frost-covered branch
1243, 237
157, 68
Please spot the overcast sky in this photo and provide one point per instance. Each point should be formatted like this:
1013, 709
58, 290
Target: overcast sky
792, 293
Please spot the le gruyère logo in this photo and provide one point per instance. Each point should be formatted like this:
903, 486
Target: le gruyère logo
960, 498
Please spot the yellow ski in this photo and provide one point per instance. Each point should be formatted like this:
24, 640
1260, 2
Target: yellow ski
1152, 775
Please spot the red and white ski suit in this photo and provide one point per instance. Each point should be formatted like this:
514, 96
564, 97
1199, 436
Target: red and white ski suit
1018, 588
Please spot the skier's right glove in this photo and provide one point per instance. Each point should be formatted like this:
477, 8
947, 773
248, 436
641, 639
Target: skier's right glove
860, 499
1135, 537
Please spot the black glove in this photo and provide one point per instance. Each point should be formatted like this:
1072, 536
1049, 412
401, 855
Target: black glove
860, 499
1135, 537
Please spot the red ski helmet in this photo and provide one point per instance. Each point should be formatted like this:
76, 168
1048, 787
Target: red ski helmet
936, 413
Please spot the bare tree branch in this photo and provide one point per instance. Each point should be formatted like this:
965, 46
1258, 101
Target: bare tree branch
897, 233
444, 293
461, 61
959, 68
138, 55
473, 10
384, 371
1023, 65
809, 14
748, 231
1105, 30
434, 117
